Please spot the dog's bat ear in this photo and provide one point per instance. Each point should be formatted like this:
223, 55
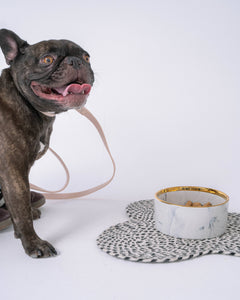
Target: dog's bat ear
11, 45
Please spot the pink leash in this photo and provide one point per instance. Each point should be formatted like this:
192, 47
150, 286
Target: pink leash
57, 194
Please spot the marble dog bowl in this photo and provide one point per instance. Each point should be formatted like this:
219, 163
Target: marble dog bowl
175, 219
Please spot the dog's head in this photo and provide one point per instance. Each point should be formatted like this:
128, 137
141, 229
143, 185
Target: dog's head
53, 75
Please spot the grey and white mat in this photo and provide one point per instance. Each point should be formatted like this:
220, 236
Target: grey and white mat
138, 240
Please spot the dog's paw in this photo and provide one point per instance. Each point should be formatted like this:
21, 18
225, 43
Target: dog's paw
36, 213
40, 249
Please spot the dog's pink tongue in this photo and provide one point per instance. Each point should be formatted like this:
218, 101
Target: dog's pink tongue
75, 88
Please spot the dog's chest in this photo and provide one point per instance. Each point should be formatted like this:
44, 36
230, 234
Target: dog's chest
42, 147
42, 150
44, 140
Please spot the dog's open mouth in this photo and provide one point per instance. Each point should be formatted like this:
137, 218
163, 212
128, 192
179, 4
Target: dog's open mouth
74, 93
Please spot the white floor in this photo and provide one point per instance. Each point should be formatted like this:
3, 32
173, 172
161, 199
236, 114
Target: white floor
167, 95
82, 271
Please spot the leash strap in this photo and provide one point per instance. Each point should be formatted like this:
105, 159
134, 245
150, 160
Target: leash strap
56, 194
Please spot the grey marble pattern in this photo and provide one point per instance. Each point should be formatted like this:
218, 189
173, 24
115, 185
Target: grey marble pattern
190, 222
138, 240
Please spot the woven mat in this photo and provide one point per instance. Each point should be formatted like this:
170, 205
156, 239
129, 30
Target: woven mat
138, 240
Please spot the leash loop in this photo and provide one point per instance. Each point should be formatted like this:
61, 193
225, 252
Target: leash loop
56, 194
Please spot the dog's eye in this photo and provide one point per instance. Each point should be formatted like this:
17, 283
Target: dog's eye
48, 60
86, 58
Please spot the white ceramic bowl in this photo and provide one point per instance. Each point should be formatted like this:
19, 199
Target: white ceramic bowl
175, 219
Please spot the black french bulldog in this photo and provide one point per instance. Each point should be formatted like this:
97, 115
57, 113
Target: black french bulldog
43, 79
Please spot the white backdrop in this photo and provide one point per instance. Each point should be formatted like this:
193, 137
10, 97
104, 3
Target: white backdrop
167, 97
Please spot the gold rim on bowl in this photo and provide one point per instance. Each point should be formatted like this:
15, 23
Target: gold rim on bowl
191, 188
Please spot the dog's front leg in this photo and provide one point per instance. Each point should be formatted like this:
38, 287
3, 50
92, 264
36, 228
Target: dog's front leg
16, 193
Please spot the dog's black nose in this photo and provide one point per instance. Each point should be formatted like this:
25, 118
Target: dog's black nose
74, 61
